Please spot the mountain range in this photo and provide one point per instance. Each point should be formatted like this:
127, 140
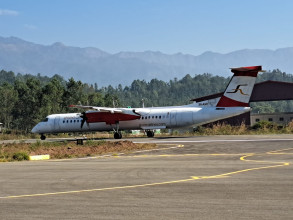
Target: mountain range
92, 65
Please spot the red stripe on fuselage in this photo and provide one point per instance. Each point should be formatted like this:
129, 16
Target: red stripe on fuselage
108, 117
227, 102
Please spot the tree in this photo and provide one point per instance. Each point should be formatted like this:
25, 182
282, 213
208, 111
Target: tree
262, 107
51, 98
8, 77
73, 94
26, 112
95, 99
111, 100
8, 97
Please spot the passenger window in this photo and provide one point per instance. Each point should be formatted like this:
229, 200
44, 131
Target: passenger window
160, 117
70, 121
67, 121
156, 116
74, 121
63, 121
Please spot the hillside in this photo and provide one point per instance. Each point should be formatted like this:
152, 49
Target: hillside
93, 65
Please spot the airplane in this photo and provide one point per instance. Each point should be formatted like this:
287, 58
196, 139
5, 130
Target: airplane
234, 101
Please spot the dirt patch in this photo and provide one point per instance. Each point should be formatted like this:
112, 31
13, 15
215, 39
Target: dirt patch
73, 150
70, 150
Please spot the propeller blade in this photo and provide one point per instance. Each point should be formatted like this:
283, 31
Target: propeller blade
82, 122
84, 119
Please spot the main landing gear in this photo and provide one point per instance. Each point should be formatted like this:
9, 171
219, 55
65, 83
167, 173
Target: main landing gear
150, 133
117, 134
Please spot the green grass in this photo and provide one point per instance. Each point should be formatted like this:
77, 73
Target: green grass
20, 156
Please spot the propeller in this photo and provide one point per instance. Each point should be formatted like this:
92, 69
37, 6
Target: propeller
84, 119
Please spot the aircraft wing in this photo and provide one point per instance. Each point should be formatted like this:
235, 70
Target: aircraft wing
99, 109
107, 115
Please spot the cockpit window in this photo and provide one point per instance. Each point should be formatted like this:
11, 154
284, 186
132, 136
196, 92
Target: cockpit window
45, 120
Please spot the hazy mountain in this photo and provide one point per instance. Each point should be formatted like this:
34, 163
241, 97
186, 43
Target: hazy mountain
94, 65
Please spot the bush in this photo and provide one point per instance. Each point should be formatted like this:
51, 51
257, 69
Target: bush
289, 127
263, 125
199, 129
20, 156
6, 131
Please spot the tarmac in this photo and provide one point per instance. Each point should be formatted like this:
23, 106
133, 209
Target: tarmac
219, 177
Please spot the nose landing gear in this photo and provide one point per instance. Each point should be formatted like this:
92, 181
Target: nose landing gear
43, 137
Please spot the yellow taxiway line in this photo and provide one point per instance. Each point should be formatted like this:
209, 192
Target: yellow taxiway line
192, 178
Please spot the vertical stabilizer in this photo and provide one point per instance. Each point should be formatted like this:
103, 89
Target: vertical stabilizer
238, 91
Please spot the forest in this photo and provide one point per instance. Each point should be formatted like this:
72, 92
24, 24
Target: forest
26, 99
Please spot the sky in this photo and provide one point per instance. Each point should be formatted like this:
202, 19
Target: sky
169, 26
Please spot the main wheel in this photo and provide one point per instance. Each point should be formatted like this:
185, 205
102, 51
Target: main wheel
150, 134
117, 135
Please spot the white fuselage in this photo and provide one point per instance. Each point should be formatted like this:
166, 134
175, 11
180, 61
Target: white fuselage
151, 118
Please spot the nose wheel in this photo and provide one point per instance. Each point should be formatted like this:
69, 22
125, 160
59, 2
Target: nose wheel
43, 137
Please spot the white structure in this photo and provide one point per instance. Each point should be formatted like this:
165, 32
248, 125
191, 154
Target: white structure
278, 118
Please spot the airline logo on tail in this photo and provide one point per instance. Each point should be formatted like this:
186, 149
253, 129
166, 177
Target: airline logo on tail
239, 90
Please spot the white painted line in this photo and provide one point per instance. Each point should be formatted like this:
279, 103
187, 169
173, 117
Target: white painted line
211, 141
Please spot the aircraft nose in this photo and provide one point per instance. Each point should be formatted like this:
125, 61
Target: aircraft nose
35, 129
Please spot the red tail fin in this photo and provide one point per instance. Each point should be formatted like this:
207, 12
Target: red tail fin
238, 91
